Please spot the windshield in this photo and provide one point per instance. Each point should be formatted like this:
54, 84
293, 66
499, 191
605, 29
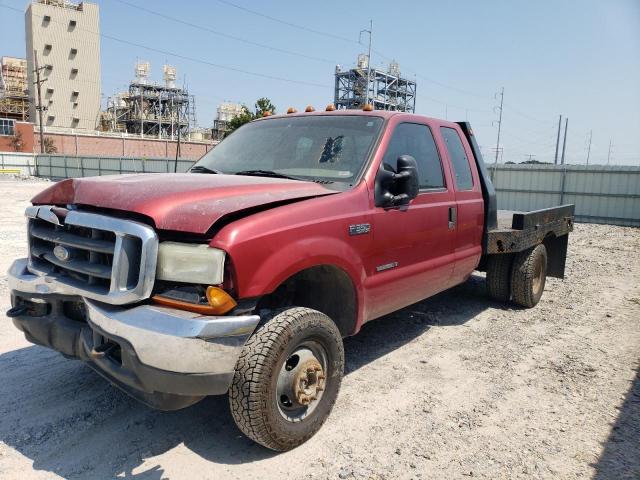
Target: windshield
329, 149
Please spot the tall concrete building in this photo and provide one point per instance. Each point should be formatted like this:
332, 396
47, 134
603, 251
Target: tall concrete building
66, 38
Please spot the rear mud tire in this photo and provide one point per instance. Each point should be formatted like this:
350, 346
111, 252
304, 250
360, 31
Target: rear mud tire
528, 276
253, 396
499, 277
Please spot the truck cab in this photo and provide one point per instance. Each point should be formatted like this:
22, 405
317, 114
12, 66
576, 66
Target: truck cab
243, 275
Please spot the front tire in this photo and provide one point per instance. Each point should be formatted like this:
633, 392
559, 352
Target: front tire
287, 378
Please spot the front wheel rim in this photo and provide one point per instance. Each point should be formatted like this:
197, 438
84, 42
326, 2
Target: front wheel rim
302, 381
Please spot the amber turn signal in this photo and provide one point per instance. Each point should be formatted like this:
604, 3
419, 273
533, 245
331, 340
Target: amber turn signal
291, 110
309, 108
330, 108
200, 308
368, 107
220, 300
219, 303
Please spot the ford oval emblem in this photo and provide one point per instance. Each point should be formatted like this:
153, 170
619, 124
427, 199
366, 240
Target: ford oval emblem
61, 253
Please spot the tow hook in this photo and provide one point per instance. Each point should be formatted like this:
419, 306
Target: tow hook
103, 350
17, 311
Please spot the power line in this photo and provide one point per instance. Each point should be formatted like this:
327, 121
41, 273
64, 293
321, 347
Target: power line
191, 59
527, 116
226, 35
284, 22
280, 50
348, 40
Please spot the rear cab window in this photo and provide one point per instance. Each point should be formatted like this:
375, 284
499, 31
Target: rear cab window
416, 140
459, 159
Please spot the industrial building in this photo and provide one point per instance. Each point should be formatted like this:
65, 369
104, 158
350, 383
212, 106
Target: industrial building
151, 109
226, 112
14, 99
385, 90
64, 39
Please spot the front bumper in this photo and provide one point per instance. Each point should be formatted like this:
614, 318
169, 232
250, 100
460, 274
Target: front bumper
165, 357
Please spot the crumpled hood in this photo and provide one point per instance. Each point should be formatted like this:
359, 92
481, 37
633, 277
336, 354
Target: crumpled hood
184, 202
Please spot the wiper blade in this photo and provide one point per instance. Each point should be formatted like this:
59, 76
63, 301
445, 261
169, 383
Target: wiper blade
203, 169
265, 173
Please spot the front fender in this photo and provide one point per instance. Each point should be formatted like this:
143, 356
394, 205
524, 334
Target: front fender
261, 272
260, 268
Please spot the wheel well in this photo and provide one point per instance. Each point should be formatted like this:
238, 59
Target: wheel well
325, 288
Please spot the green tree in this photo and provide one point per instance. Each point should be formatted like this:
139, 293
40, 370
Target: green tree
264, 105
245, 117
261, 106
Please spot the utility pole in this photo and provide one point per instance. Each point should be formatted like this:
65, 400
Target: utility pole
141, 112
370, 32
530, 156
495, 163
609, 154
39, 107
564, 143
589, 147
558, 140
175, 167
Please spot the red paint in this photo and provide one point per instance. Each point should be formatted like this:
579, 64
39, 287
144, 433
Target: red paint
268, 247
180, 201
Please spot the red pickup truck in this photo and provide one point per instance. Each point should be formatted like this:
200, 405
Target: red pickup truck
244, 274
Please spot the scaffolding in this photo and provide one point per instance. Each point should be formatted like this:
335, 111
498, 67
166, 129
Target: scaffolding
151, 109
14, 98
384, 90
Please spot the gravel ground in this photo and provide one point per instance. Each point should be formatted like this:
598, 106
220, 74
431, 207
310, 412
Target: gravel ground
453, 387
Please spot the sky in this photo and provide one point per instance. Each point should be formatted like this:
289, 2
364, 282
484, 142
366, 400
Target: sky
576, 58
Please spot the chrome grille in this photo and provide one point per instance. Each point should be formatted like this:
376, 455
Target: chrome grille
98, 256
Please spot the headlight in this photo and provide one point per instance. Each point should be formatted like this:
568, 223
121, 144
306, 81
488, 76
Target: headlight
190, 263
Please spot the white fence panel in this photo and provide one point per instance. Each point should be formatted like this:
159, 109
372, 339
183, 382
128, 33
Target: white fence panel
601, 194
19, 163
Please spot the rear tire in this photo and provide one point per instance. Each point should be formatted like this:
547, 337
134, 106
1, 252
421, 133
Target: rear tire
287, 378
528, 276
499, 277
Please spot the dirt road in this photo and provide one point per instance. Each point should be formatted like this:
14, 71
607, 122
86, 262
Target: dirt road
453, 387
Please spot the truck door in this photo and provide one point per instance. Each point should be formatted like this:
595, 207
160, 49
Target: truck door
469, 219
412, 257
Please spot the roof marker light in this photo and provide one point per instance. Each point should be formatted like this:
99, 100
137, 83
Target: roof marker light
368, 107
309, 108
291, 110
330, 108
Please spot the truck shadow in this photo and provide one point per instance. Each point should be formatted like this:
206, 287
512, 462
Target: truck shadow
620, 458
72, 423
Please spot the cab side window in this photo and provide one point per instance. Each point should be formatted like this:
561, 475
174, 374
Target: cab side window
416, 140
459, 160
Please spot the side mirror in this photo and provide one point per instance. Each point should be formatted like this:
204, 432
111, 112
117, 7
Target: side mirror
397, 189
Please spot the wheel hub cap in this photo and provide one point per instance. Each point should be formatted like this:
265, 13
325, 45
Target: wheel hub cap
301, 381
308, 382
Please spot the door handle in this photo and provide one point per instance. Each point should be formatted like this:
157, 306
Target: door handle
453, 217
